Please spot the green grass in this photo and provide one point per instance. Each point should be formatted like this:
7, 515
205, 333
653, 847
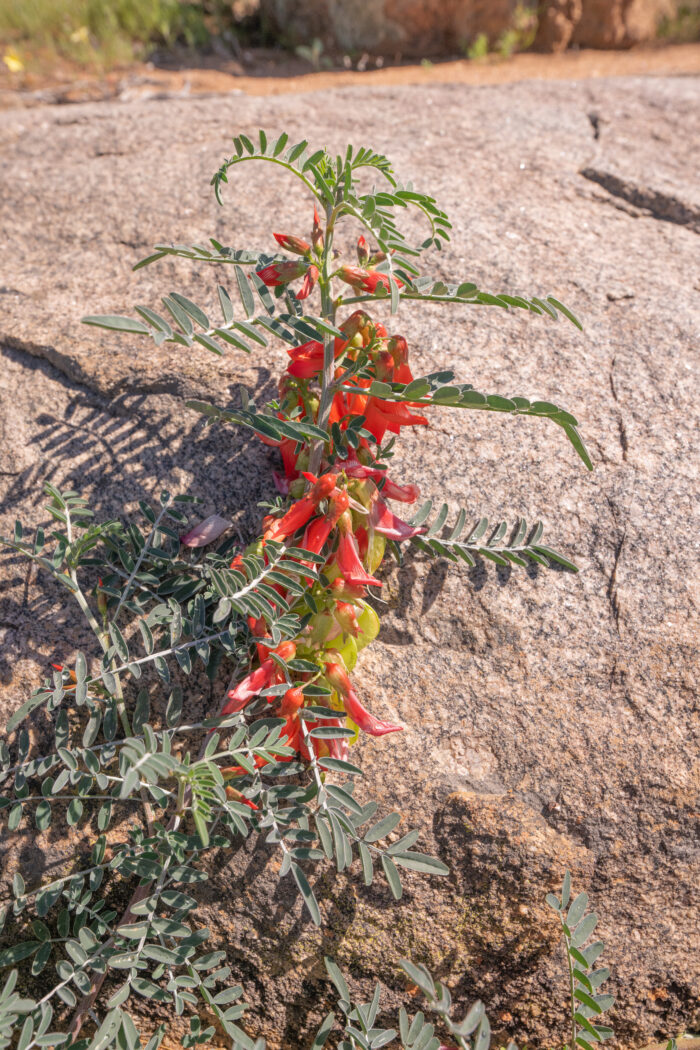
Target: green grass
103, 32
685, 26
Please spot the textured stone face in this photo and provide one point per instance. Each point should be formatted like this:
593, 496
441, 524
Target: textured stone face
408, 27
556, 25
620, 23
430, 27
551, 720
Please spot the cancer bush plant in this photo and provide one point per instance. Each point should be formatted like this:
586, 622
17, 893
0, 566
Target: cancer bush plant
113, 749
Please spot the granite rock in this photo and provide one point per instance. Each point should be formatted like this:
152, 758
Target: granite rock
444, 27
556, 24
551, 720
620, 23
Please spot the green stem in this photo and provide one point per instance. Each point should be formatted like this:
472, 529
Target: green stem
328, 314
574, 1029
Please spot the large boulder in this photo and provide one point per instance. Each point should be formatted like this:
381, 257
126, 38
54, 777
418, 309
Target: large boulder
390, 27
620, 23
556, 24
551, 719
440, 27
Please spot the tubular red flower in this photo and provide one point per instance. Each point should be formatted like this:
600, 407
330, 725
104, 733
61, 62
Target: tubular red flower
367, 722
311, 349
289, 459
322, 486
362, 251
365, 280
320, 529
381, 415
384, 521
354, 469
384, 366
249, 687
348, 560
258, 628
290, 243
277, 274
338, 410
292, 701
301, 511
305, 367
402, 493
297, 516
308, 283
316, 232
236, 796
257, 680
307, 360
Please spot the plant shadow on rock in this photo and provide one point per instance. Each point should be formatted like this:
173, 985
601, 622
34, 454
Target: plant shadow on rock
503, 854
120, 453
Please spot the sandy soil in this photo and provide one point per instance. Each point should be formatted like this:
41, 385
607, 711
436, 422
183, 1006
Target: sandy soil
273, 73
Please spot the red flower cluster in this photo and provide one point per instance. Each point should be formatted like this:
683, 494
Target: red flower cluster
341, 514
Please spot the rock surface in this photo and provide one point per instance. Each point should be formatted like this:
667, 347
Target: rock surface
556, 25
620, 23
439, 27
552, 720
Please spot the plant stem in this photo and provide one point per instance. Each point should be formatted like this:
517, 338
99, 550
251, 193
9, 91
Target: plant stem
328, 314
574, 1029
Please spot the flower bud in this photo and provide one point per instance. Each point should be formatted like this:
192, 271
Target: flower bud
292, 700
317, 232
291, 243
101, 599
346, 616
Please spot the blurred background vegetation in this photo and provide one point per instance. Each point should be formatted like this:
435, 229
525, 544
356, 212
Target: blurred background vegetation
108, 33
104, 34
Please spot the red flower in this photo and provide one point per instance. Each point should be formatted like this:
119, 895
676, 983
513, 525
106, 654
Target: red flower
307, 360
366, 721
292, 701
354, 469
319, 530
282, 273
291, 243
258, 628
301, 511
362, 251
381, 415
317, 232
365, 280
311, 349
402, 493
384, 521
287, 447
308, 283
348, 557
258, 680
346, 617
236, 796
